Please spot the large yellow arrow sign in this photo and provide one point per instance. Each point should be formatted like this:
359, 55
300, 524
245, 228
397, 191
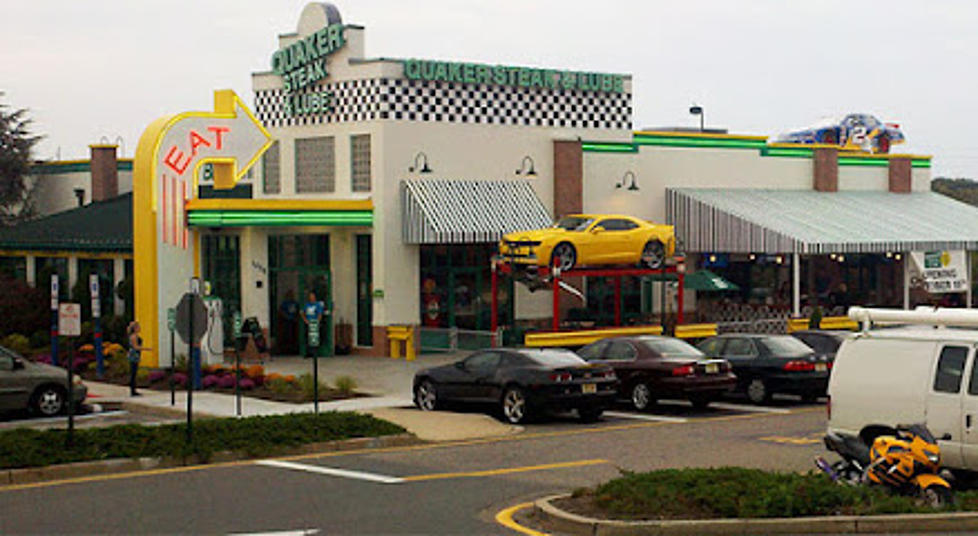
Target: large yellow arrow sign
170, 153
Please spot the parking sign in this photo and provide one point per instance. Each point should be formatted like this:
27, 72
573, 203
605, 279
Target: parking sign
69, 319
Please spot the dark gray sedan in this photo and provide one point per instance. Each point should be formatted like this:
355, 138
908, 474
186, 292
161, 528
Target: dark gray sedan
41, 388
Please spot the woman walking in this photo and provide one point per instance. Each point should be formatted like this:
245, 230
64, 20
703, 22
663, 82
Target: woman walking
135, 349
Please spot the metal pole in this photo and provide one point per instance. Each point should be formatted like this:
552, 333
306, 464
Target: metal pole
556, 299
97, 319
315, 378
795, 285
493, 316
680, 298
71, 391
54, 319
237, 379
967, 261
190, 374
173, 363
906, 280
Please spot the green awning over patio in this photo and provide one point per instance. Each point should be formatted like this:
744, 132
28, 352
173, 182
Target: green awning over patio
701, 280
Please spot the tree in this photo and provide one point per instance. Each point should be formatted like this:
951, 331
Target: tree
16, 145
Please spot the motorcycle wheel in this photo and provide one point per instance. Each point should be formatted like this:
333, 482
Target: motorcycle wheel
937, 496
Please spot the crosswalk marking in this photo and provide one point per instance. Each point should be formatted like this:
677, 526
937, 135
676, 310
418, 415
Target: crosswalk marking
342, 473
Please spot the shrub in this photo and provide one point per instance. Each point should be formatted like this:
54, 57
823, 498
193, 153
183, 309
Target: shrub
23, 309
17, 343
43, 358
142, 376
345, 385
40, 338
254, 371
290, 378
247, 384
209, 381
180, 379
279, 386
306, 384
112, 348
226, 381
258, 380
273, 376
157, 375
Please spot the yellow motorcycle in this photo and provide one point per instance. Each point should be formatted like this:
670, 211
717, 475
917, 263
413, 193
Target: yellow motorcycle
906, 459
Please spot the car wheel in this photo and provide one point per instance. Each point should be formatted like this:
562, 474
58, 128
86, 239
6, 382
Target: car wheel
590, 414
757, 392
564, 256
654, 254
426, 396
700, 402
937, 496
49, 400
514, 406
642, 396
883, 145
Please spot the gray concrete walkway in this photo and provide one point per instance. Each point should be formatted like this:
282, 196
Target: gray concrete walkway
387, 381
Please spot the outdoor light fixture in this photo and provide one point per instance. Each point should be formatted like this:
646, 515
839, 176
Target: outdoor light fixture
897, 256
424, 165
624, 179
753, 257
832, 256
696, 109
531, 172
713, 258
889, 254
842, 258
779, 259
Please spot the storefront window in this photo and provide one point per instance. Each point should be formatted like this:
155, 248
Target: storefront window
360, 162
456, 288
222, 268
271, 174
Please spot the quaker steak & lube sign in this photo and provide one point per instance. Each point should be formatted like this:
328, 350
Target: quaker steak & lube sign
502, 75
303, 64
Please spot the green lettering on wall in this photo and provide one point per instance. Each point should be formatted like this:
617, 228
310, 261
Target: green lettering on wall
441, 71
468, 73
454, 72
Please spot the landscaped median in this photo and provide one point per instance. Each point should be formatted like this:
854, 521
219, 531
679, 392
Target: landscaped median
745, 501
166, 445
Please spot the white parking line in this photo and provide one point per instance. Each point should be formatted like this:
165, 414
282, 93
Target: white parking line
645, 417
342, 473
300, 532
746, 407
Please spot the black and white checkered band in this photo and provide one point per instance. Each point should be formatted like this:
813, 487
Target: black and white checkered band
416, 100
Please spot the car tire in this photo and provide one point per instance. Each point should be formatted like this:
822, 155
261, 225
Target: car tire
563, 256
758, 392
700, 402
654, 254
426, 396
937, 496
514, 406
641, 397
883, 145
48, 400
590, 414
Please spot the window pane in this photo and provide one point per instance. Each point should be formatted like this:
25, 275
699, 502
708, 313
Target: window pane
592, 351
360, 162
620, 350
672, 348
315, 165
270, 170
739, 347
950, 368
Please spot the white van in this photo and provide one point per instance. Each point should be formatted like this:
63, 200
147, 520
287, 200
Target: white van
920, 371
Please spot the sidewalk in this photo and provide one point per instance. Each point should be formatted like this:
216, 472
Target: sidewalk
388, 381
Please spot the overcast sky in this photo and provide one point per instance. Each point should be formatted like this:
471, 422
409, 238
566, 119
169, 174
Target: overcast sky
95, 69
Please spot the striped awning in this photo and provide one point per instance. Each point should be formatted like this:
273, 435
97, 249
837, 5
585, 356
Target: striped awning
441, 211
809, 222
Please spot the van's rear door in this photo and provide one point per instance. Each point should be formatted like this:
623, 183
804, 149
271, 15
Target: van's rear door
969, 419
945, 400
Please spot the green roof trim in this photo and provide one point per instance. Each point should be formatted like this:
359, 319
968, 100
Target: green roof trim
280, 218
609, 147
697, 141
74, 166
787, 152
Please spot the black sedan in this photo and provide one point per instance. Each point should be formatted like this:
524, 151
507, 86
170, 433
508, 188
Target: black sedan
824, 342
768, 364
521, 382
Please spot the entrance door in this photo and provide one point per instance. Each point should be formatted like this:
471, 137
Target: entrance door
365, 304
298, 264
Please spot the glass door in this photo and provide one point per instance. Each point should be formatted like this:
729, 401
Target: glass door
365, 304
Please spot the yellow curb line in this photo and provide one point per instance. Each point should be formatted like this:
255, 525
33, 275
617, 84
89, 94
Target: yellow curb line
506, 471
505, 518
518, 437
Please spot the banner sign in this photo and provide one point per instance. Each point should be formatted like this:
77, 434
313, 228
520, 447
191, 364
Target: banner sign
940, 272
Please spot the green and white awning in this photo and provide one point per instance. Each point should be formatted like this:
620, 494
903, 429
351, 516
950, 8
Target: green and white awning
468, 211
809, 222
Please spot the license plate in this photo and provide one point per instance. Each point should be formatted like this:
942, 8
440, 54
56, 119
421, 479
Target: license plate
589, 388
712, 368
821, 367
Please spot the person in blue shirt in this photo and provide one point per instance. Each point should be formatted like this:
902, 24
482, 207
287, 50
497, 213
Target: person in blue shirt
312, 311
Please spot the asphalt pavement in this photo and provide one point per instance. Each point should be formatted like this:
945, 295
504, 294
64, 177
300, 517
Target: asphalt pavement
440, 488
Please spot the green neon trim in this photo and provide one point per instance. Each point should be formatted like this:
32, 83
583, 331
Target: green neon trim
608, 148
867, 162
256, 218
679, 141
789, 152
920, 163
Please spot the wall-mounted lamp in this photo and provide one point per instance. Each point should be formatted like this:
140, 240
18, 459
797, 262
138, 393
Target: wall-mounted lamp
624, 180
424, 163
522, 170
696, 109
753, 257
897, 256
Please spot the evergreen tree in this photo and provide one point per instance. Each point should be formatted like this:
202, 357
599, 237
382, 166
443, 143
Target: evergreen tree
16, 145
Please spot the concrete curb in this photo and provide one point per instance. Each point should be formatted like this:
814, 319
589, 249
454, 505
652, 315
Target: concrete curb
123, 465
936, 523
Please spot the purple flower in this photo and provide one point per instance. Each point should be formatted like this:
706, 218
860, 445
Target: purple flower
210, 381
247, 383
180, 379
226, 382
157, 375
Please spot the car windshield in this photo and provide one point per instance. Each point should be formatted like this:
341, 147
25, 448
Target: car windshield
785, 345
573, 223
672, 348
553, 358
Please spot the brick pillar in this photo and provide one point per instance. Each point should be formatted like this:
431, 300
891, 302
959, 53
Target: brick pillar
900, 175
568, 178
825, 169
105, 172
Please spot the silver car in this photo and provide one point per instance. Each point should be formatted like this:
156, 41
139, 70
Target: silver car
41, 388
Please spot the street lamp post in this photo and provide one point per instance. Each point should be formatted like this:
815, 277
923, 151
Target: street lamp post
698, 110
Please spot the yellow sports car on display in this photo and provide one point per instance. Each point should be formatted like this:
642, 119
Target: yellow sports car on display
592, 239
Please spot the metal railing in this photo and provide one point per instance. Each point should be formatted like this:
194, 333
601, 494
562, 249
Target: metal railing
453, 339
760, 325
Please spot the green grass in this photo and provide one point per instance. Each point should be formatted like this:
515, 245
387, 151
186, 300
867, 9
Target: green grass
733, 492
254, 436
